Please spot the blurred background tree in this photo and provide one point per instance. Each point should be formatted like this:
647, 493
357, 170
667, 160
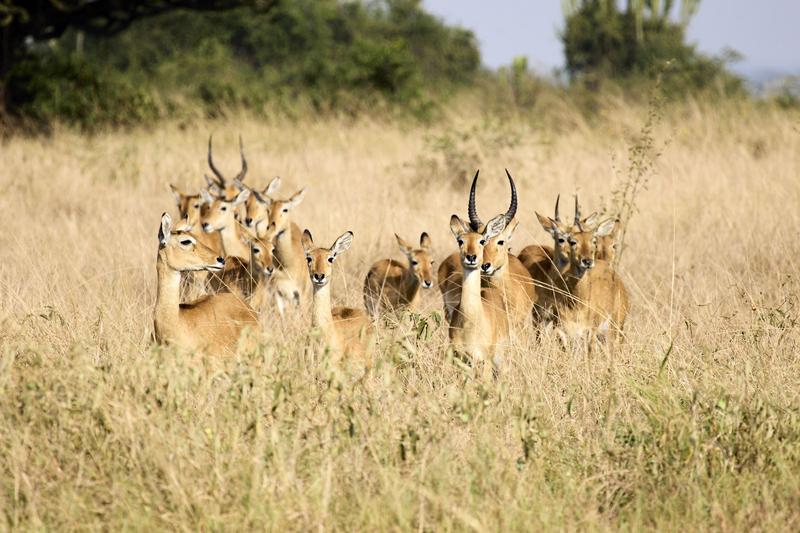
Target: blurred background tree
92, 63
605, 41
333, 54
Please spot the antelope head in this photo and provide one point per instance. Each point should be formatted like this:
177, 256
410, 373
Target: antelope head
420, 260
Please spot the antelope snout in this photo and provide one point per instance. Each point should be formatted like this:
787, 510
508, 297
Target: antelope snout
268, 270
427, 283
486, 267
471, 260
318, 278
206, 227
248, 222
587, 263
220, 260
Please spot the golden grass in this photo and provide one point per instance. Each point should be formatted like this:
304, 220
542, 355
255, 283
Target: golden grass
693, 424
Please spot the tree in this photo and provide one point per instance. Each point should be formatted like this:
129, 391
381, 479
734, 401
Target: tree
601, 40
39, 20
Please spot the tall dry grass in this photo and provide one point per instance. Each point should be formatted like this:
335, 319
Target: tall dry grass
694, 423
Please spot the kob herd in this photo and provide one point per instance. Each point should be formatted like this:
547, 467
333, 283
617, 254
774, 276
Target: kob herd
235, 253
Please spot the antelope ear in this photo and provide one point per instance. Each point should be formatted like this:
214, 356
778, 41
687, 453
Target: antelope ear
295, 200
457, 226
425, 241
494, 227
176, 194
242, 197
404, 246
261, 198
549, 225
206, 196
210, 182
510, 229
616, 228
605, 228
183, 226
591, 220
215, 190
342, 243
163, 230
308, 241
272, 186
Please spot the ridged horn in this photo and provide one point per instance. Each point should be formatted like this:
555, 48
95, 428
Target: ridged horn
577, 214
243, 172
474, 221
512, 207
220, 178
558, 217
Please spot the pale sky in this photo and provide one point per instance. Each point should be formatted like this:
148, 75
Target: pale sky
765, 32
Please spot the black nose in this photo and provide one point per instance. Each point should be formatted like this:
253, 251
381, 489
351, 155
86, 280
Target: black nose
319, 277
220, 260
248, 221
270, 269
486, 266
587, 262
471, 258
427, 283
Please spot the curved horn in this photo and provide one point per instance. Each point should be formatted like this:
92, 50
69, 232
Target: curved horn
512, 207
474, 220
242, 172
220, 178
577, 214
558, 218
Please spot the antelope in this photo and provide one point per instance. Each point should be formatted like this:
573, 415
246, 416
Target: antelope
449, 274
596, 300
212, 324
256, 208
392, 285
290, 280
479, 324
189, 207
263, 263
346, 331
544, 264
218, 216
507, 274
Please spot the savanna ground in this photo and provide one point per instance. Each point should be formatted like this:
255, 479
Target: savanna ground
693, 424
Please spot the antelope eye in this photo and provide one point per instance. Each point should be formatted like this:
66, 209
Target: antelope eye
223, 208
330, 260
460, 242
500, 243
197, 206
573, 243
561, 240
186, 242
414, 263
256, 251
308, 258
285, 210
431, 261
482, 242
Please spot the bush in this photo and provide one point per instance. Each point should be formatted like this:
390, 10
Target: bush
56, 87
347, 56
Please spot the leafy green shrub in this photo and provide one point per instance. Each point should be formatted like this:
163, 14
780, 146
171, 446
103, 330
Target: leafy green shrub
56, 87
